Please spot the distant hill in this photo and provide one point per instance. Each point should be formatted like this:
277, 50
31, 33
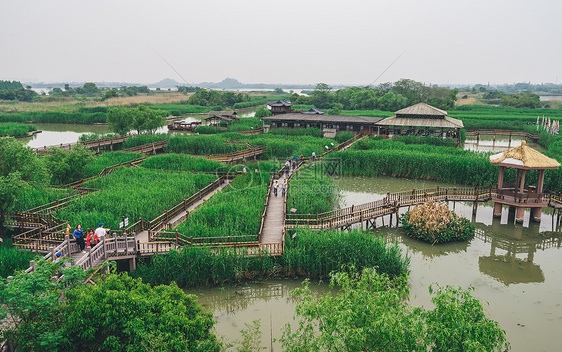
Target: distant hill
227, 83
166, 83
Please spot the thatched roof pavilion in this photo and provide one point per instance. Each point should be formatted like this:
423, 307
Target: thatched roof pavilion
522, 158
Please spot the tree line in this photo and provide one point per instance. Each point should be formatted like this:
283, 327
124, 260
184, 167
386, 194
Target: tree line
386, 96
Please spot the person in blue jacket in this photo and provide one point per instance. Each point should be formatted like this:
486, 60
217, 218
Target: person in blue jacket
79, 236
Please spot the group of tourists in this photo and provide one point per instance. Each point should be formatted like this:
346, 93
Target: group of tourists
283, 187
92, 237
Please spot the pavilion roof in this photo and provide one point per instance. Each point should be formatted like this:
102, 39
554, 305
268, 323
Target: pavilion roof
446, 122
421, 109
281, 103
524, 157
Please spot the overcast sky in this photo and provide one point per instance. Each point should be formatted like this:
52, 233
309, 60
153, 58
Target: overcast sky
289, 41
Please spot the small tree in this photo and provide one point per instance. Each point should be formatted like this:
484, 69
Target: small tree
67, 165
19, 166
120, 119
370, 314
112, 93
148, 120
262, 111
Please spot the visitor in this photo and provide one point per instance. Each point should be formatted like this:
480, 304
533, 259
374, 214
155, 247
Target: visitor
79, 236
294, 162
283, 188
313, 156
287, 166
89, 237
100, 231
245, 169
302, 157
57, 257
275, 185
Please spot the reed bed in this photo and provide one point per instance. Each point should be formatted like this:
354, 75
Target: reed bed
202, 145
182, 108
201, 266
310, 254
235, 211
314, 132
13, 259
182, 162
55, 117
444, 142
317, 254
14, 129
35, 195
134, 193
99, 162
280, 146
92, 136
467, 169
311, 191
142, 139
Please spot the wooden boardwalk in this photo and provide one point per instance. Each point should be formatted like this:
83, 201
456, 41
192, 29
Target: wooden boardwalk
274, 220
176, 219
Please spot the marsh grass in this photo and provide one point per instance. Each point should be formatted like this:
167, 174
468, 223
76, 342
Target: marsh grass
14, 129
134, 193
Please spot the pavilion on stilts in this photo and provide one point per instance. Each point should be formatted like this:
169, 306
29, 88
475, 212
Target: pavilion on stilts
519, 195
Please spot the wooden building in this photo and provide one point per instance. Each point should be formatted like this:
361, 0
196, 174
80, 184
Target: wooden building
340, 123
216, 117
281, 107
420, 120
519, 195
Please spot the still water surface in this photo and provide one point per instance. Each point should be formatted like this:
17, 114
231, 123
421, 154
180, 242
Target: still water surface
514, 267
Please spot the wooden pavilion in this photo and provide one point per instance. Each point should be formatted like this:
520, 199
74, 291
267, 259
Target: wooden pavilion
420, 120
522, 158
281, 107
216, 117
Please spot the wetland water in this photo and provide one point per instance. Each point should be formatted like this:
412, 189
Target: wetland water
514, 267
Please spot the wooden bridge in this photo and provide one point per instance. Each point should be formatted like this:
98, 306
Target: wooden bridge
250, 153
97, 144
367, 213
149, 148
509, 133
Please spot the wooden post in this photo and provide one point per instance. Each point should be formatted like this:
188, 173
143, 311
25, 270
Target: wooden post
176, 237
116, 245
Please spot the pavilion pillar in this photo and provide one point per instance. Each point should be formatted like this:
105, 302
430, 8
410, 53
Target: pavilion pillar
520, 212
537, 212
522, 188
498, 206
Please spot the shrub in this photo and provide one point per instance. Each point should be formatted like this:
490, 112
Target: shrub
435, 223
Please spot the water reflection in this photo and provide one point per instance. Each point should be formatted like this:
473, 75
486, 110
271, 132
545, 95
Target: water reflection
268, 301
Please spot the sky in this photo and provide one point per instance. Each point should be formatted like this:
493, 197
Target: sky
357, 42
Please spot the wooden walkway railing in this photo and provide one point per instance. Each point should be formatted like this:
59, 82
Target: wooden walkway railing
239, 155
147, 148
393, 201
93, 144
510, 133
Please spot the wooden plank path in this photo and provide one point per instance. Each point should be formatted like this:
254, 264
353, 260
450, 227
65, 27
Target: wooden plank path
143, 236
96, 144
274, 220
